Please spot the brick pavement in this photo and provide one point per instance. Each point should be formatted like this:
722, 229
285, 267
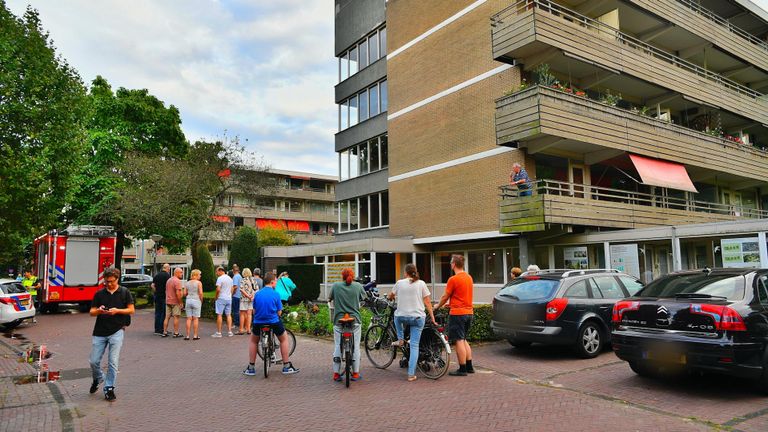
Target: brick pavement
171, 384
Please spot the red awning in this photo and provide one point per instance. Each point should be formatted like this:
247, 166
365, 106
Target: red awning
222, 219
271, 223
302, 226
656, 172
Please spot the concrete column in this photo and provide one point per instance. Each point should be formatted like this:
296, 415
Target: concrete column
677, 260
523, 248
763, 249
607, 253
551, 256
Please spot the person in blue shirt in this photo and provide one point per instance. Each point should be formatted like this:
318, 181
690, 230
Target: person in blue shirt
237, 280
519, 177
267, 309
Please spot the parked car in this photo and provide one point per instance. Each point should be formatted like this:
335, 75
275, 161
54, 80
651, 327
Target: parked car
706, 320
135, 280
561, 307
15, 304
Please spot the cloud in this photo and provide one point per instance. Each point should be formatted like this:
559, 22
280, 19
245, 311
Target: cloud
263, 70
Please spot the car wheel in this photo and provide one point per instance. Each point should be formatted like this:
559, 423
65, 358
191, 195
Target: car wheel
590, 341
518, 343
12, 325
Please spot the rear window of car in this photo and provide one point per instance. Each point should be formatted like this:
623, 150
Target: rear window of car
530, 289
631, 284
12, 288
728, 286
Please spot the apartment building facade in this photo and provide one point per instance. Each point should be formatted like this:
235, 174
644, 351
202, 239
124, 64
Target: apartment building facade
643, 127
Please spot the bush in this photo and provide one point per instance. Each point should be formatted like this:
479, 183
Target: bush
307, 278
203, 261
244, 250
314, 319
481, 323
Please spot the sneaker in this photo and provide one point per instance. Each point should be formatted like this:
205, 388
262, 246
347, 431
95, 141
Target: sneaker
250, 371
109, 394
216, 335
289, 369
230, 334
470, 370
355, 376
457, 373
336, 377
94, 387
158, 333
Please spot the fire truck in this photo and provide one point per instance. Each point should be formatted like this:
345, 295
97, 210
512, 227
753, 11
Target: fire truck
70, 264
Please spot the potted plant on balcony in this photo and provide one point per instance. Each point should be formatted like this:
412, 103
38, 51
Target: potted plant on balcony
543, 76
609, 98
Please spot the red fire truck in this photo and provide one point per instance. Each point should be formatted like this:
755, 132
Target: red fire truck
70, 264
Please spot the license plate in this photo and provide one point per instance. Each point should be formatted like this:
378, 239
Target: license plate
25, 302
665, 357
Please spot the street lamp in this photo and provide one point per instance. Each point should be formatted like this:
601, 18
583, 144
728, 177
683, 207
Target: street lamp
157, 238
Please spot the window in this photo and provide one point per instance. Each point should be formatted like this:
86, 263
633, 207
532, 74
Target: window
363, 50
529, 289
352, 61
383, 92
364, 158
363, 102
631, 284
607, 287
373, 47
762, 290
577, 290
353, 215
369, 156
385, 268
344, 115
368, 211
344, 165
373, 95
373, 145
486, 266
383, 41
344, 67
353, 111
424, 266
344, 216
384, 152
364, 212
354, 164
385, 208
375, 211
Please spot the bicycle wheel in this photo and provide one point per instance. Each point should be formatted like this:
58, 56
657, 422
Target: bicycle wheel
434, 359
276, 343
347, 362
378, 346
266, 355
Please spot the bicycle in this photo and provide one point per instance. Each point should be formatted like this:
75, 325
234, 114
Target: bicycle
434, 350
347, 345
267, 351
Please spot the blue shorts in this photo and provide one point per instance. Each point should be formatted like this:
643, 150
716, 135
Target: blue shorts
224, 306
277, 328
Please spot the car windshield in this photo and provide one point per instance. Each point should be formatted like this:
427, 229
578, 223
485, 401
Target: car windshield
530, 289
12, 288
728, 286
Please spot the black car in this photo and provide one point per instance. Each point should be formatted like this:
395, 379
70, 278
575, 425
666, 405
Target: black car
561, 307
135, 280
705, 320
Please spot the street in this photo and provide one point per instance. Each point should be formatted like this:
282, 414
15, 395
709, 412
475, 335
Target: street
172, 385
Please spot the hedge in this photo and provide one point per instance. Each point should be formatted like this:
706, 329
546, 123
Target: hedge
307, 278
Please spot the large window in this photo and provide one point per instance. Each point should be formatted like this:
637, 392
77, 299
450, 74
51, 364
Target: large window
370, 211
486, 266
363, 53
364, 105
366, 157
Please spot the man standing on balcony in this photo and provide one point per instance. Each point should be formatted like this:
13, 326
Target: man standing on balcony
519, 177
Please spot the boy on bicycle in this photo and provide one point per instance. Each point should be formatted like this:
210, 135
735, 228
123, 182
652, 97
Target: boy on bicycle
267, 310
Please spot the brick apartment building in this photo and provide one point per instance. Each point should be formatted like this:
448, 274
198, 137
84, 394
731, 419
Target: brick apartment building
643, 126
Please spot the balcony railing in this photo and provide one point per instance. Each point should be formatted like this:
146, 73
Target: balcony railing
708, 14
558, 202
542, 111
524, 6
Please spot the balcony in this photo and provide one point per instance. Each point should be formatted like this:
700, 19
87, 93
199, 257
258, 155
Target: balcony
702, 22
530, 29
556, 202
309, 216
309, 194
544, 119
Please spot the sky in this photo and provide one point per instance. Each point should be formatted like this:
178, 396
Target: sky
262, 70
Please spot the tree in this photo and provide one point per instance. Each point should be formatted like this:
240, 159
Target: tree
203, 261
42, 135
274, 237
244, 249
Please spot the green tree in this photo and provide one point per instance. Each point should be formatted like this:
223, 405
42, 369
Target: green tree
42, 135
244, 249
203, 261
274, 237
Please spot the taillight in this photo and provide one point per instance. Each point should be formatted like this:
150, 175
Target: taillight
555, 308
623, 306
725, 318
7, 300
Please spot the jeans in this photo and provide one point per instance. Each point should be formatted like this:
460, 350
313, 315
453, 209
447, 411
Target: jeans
357, 333
417, 325
525, 192
159, 312
99, 345
236, 311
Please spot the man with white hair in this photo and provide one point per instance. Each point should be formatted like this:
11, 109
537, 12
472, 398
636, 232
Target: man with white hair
533, 269
173, 302
519, 177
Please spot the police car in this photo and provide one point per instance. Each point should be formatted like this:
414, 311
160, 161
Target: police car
16, 304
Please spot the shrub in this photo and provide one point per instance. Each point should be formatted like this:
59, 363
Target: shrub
244, 250
203, 261
307, 278
481, 323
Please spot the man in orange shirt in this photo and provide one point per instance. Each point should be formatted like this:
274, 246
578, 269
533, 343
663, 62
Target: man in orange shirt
458, 294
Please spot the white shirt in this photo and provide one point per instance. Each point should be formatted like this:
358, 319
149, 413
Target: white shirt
224, 282
410, 297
